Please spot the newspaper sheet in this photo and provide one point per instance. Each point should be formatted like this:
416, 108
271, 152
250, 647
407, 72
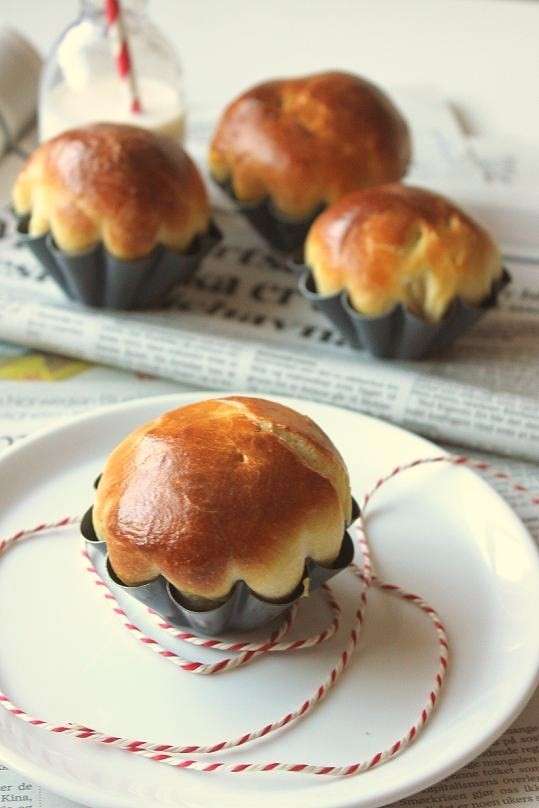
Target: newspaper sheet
241, 324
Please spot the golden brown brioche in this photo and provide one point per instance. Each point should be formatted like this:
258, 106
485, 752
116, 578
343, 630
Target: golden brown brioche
220, 491
118, 184
399, 244
307, 141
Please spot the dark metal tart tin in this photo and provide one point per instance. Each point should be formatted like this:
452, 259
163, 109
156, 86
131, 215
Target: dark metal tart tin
96, 278
283, 234
399, 334
243, 610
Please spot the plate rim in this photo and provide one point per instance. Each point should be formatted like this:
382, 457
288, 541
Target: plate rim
79, 793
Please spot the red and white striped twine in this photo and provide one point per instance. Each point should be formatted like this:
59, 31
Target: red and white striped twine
122, 56
191, 756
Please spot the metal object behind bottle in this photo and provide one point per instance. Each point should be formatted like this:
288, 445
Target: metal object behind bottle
96, 278
243, 610
399, 334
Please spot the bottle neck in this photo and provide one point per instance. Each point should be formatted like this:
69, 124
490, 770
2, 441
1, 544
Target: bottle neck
96, 7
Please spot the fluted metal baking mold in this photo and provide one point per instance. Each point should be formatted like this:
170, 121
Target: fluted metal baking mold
398, 334
283, 234
96, 278
243, 610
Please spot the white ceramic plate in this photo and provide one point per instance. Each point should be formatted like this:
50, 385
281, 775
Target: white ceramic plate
440, 531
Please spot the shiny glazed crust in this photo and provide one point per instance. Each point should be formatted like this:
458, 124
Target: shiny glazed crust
124, 186
221, 491
306, 141
399, 244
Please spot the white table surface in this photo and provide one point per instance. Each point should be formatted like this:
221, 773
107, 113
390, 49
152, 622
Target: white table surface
482, 54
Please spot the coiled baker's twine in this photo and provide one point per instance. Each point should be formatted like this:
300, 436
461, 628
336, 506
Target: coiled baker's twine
180, 756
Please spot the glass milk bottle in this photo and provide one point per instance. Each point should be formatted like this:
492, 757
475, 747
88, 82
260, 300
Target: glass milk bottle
81, 84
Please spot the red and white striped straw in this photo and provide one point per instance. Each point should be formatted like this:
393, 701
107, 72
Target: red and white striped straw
124, 65
192, 755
